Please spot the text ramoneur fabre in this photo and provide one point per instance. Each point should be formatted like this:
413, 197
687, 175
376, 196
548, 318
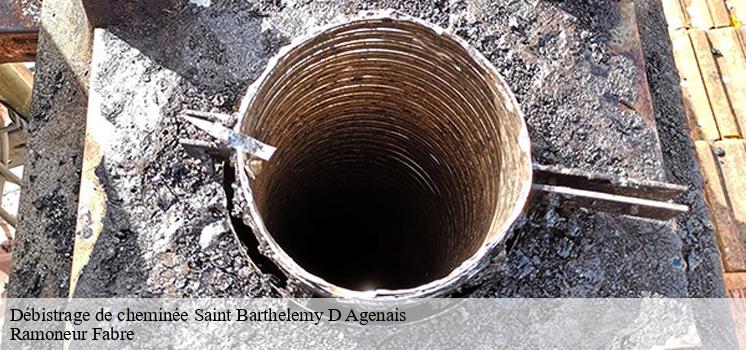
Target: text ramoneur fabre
77, 318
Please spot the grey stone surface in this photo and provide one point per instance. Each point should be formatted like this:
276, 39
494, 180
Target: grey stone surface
49, 200
554, 55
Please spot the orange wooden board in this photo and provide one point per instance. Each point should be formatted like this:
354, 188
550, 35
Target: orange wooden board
735, 283
699, 113
733, 168
729, 235
713, 84
742, 38
718, 13
732, 66
675, 15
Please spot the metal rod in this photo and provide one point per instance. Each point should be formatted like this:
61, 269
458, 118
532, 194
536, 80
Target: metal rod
615, 204
592, 181
227, 136
610, 193
8, 217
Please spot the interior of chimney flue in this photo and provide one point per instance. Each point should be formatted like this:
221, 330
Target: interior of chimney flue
397, 154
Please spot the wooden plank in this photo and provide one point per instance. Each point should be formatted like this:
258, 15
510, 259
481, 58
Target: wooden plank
696, 104
730, 240
742, 38
735, 284
698, 13
675, 15
732, 65
733, 167
15, 87
92, 204
18, 46
713, 84
718, 13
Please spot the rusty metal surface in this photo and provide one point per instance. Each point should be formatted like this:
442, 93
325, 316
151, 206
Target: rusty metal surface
608, 183
18, 46
625, 41
610, 193
19, 15
19, 23
612, 203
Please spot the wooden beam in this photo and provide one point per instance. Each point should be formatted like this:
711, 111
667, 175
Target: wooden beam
732, 66
16, 142
15, 87
729, 235
718, 13
733, 167
713, 84
698, 13
696, 104
675, 15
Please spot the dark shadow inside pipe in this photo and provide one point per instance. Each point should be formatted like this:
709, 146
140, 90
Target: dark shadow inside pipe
361, 237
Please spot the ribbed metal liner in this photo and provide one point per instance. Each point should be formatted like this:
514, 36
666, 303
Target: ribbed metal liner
402, 158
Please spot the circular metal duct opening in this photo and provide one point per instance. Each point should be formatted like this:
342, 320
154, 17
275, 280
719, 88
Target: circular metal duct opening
402, 159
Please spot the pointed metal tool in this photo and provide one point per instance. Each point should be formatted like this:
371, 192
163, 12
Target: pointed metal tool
211, 123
